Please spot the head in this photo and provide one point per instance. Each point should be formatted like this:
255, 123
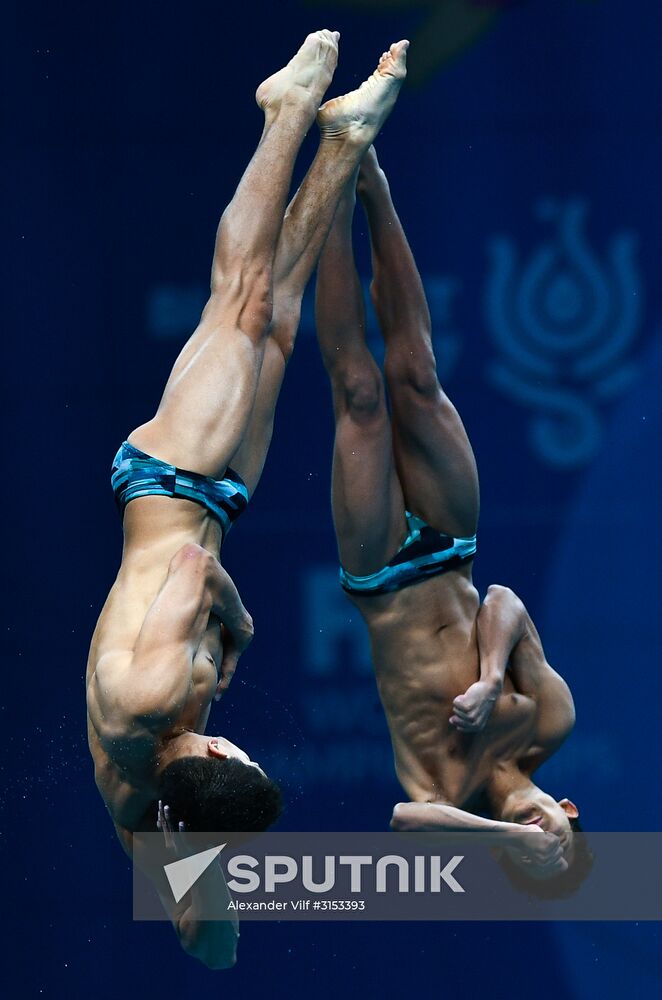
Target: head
561, 818
212, 785
530, 805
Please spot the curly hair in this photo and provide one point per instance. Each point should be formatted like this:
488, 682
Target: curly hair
212, 795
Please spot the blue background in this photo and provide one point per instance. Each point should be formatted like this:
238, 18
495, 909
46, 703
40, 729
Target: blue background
127, 127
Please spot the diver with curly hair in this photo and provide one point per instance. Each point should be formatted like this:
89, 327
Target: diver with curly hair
173, 627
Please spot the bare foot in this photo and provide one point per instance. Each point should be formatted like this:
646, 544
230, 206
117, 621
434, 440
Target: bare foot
361, 114
370, 173
306, 76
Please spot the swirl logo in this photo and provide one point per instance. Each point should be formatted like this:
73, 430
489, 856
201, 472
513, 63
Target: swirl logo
563, 325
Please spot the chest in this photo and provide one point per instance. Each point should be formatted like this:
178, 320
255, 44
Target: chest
205, 674
438, 761
470, 758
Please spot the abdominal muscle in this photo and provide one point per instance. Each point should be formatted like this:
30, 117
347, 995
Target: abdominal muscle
425, 653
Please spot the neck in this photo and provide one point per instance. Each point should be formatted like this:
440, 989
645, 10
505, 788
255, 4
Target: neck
175, 744
507, 784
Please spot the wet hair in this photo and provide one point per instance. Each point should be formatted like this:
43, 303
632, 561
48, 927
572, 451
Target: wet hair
559, 886
211, 795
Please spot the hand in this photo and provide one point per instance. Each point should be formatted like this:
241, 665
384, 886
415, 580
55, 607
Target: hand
472, 709
193, 909
538, 851
233, 646
164, 824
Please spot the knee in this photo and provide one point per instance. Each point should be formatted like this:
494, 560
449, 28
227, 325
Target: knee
284, 327
359, 392
414, 371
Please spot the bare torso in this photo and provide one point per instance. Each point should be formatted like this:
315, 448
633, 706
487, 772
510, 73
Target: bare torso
425, 652
155, 528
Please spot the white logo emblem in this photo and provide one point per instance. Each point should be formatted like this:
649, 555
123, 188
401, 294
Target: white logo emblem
185, 873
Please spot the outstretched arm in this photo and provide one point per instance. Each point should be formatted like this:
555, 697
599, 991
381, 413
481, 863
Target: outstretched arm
524, 842
212, 942
144, 694
439, 817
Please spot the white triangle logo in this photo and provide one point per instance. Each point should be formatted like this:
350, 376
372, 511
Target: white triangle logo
184, 873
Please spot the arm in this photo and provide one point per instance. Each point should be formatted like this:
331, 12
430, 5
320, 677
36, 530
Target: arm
532, 675
500, 627
145, 694
508, 640
212, 942
526, 843
432, 817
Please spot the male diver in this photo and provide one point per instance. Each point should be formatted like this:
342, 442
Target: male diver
472, 705
173, 627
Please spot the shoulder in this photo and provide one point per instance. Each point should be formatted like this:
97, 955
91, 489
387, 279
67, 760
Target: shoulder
555, 719
113, 716
103, 682
126, 800
556, 704
513, 712
123, 763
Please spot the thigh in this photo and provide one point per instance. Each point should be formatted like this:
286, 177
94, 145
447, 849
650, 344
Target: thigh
368, 506
208, 400
251, 455
435, 461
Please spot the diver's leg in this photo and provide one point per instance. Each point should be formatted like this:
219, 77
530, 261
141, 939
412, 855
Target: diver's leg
368, 508
209, 397
348, 126
433, 455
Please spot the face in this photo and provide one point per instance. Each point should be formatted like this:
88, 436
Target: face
552, 816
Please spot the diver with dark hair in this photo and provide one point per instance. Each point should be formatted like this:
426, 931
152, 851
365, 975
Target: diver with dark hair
472, 705
173, 627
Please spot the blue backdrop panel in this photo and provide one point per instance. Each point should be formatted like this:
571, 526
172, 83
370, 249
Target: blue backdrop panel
524, 161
